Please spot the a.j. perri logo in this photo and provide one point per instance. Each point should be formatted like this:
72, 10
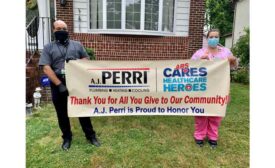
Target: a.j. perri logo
120, 80
184, 78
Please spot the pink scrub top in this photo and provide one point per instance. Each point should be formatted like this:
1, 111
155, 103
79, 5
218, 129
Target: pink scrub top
222, 53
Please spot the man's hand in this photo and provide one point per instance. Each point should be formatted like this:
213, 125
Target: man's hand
50, 73
69, 59
63, 89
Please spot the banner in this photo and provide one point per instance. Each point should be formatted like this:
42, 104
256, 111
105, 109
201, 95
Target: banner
167, 87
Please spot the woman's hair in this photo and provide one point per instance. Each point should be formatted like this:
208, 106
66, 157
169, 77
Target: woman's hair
212, 30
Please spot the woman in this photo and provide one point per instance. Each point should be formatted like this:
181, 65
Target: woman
208, 126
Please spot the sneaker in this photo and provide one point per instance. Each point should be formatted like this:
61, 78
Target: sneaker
213, 144
199, 142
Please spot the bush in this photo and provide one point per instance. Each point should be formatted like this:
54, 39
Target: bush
241, 49
90, 52
241, 75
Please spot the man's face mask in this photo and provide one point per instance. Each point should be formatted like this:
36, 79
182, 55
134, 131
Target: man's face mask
62, 37
213, 42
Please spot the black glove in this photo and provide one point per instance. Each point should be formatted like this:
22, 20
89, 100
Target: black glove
63, 89
69, 59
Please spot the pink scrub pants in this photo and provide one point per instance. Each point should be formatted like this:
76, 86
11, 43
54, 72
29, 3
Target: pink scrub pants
207, 126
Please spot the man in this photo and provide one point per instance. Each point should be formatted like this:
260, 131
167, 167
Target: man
53, 60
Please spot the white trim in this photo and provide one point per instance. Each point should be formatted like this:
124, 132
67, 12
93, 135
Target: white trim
175, 12
160, 15
54, 9
104, 4
123, 14
130, 32
88, 15
142, 15
188, 17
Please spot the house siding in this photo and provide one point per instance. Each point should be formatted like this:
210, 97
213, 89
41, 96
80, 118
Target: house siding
80, 8
189, 23
182, 8
228, 41
241, 20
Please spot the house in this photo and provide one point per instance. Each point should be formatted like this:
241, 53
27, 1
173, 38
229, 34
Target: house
128, 29
241, 19
131, 29
228, 40
240, 22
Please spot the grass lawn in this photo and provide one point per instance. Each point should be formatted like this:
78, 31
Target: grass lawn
141, 141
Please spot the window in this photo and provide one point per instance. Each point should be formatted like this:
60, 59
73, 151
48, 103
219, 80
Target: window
133, 8
96, 14
151, 14
132, 16
113, 14
168, 15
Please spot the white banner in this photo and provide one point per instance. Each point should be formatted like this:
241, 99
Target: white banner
167, 87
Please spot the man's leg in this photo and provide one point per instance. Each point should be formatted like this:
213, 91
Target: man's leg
60, 104
87, 128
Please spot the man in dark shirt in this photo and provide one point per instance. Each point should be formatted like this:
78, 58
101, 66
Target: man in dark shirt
53, 60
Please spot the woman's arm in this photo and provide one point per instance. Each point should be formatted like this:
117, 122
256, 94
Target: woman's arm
233, 62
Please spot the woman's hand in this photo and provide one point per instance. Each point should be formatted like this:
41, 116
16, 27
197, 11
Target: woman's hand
205, 55
232, 61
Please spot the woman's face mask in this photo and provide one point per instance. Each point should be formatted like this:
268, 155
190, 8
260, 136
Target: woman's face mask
213, 39
213, 42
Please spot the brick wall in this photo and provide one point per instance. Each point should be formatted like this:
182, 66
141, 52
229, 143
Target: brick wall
46, 94
32, 76
136, 47
196, 23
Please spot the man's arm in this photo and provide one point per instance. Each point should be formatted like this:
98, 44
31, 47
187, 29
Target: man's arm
82, 51
50, 73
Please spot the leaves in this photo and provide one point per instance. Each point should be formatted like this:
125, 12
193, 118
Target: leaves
91, 53
220, 15
241, 48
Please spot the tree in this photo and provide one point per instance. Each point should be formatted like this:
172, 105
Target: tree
220, 15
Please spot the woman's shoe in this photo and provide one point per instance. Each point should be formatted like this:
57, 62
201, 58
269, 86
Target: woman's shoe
213, 144
199, 142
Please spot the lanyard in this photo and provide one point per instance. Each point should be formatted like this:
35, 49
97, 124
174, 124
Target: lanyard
64, 56
62, 53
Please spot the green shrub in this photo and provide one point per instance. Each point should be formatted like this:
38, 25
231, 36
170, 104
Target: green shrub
241, 75
90, 52
241, 49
